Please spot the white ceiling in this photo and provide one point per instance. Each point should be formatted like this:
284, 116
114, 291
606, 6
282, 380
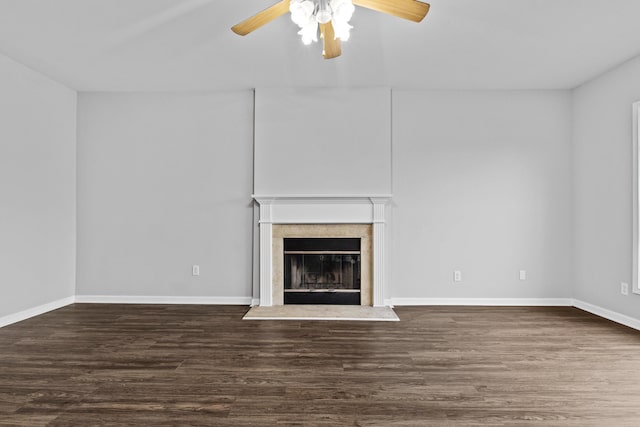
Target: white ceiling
108, 45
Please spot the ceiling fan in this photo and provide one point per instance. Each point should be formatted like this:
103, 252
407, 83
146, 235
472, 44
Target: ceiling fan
331, 16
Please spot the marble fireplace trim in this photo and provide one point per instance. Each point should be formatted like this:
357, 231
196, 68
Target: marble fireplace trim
282, 231
301, 213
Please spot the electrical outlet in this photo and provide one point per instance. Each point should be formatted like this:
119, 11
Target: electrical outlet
195, 270
624, 288
457, 276
523, 274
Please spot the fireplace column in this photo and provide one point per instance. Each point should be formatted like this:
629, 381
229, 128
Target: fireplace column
378, 250
266, 236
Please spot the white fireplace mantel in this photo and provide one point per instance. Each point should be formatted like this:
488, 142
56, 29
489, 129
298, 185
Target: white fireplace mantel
322, 209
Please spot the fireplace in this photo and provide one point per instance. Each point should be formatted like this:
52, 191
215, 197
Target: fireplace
322, 271
321, 285
349, 270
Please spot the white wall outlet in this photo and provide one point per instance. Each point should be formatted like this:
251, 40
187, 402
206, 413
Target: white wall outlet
523, 274
624, 288
457, 276
195, 270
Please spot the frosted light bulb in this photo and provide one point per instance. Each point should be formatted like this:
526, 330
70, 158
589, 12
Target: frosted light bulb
301, 11
342, 10
308, 6
295, 7
323, 14
309, 33
342, 30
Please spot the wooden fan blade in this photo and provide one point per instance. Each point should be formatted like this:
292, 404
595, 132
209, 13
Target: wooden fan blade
412, 10
331, 45
261, 18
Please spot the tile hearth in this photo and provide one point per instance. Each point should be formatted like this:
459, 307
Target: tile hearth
322, 312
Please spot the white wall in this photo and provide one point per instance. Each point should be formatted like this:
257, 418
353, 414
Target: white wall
164, 182
481, 184
323, 141
602, 130
37, 189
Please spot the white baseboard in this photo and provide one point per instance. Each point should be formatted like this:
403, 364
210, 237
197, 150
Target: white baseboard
546, 302
255, 302
608, 314
138, 299
35, 311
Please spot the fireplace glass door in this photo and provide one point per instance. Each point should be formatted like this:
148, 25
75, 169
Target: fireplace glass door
322, 271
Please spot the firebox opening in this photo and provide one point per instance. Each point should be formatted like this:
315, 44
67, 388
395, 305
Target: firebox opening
322, 271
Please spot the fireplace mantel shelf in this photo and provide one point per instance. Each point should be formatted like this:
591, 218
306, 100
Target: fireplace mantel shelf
320, 196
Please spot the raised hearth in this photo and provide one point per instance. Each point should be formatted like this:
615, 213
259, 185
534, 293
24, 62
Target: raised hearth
322, 312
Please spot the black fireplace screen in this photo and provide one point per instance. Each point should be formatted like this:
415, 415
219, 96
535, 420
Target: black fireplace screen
322, 271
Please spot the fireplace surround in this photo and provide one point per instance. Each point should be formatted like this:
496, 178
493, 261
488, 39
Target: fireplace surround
322, 216
362, 232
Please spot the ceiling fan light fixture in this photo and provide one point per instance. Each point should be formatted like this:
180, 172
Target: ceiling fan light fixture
330, 17
307, 14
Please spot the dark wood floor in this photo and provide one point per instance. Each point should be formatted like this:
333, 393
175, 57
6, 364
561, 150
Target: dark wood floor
87, 365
